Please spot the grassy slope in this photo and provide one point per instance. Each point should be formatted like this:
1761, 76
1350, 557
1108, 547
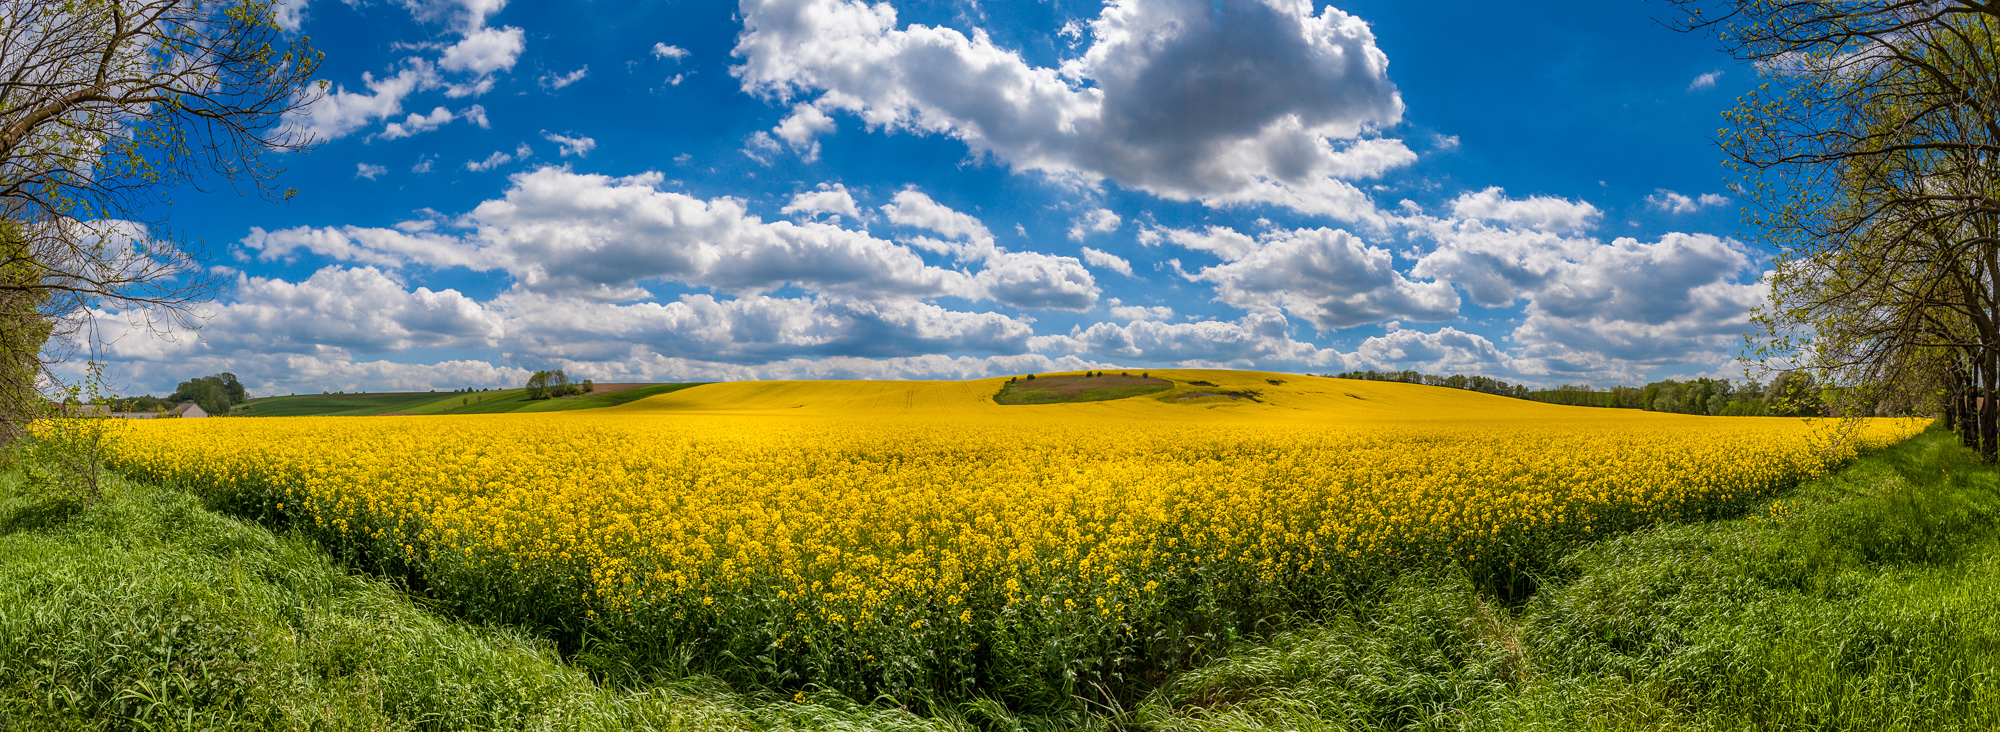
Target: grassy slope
452, 402
492, 402
1870, 600
484, 402
147, 611
597, 401
343, 405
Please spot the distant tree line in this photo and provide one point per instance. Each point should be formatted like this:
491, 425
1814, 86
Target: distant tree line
1789, 394
1481, 384
141, 403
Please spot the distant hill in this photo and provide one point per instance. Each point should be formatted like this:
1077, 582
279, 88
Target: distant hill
1197, 395
431, 402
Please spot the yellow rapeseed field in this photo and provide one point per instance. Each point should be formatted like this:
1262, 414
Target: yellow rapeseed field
897, 537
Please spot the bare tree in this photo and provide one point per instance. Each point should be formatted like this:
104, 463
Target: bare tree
103, 105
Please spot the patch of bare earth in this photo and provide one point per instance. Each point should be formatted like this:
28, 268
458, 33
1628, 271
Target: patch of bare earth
1250, 394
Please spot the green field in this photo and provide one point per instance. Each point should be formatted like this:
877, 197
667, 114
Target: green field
336, 405
1072, 388
1866, 600
479, 402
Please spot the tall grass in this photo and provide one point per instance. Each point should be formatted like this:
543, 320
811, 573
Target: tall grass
1868, 600
147, 612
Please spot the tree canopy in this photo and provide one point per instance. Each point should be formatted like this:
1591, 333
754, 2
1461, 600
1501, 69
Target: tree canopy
1869, 160
554, 383
104, 104
215, 394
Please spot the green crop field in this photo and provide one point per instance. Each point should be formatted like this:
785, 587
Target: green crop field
335, 405
482, 402
595, 401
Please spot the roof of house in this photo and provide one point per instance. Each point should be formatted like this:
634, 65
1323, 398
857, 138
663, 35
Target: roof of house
182, 410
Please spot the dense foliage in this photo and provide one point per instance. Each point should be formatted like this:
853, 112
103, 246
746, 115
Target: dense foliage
214, 394
1790, 394
104, 104
1481, 384
964, 548
554, 384
1869, 174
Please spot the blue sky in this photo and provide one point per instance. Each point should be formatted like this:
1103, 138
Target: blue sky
829, 189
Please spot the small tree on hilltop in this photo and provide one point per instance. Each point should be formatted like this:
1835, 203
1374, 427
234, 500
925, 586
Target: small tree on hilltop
552, 384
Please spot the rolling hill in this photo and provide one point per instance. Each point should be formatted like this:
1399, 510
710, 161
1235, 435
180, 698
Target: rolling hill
479, 402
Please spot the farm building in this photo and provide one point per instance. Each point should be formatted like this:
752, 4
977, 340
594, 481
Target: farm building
187, 410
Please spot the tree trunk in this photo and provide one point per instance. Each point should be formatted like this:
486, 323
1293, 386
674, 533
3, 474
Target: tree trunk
1968, 427
1988, 451
1950, 415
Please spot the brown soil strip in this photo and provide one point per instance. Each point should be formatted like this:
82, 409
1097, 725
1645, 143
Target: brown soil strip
1249, 394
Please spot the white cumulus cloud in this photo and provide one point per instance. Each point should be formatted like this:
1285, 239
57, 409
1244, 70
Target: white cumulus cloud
1107, 260
342, 112
497, 159
1544, 213
826, 199
1095, 221
1329, 277
1675, 203
1141, 312
579, 145
1231, 102
553, 81
484, 51
419, 123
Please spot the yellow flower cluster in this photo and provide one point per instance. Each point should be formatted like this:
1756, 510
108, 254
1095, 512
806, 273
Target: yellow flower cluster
884, 536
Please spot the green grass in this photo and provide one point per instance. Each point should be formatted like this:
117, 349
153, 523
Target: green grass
335, 405
1870, 600
453, 402
1867, 600
147, 611
490, 402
